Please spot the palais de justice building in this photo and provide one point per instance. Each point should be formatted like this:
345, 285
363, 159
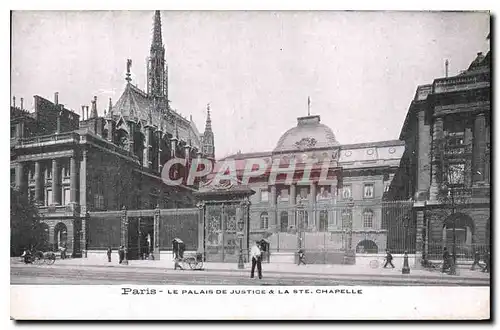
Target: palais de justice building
344, 214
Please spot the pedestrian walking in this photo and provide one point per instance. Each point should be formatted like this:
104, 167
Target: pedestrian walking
477, 258
487, 261
256, 256
446, 260
302, 257
109, 253
121, 254
388, 259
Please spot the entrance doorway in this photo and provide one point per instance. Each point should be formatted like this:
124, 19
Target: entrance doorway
140, 238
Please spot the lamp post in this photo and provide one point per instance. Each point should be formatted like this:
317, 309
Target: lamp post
348, 251
241, 227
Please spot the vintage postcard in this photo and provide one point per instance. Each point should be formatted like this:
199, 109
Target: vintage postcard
250, 165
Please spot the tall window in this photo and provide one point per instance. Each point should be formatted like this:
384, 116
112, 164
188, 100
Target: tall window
368, 219
49, 197
284, 194
66, 196
264, 195
346, 218
368, 191
456, 173
264, 220
346, 191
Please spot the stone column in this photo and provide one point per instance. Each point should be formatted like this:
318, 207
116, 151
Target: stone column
291, 200
156, 233
111, 130
423, 157
56, 185
160, 165
273, 216
38, 183
438, 136
20, 180
83, 180
479, 146
313, 222
131, 138
147, 148
468, 138
73, 180
201, 229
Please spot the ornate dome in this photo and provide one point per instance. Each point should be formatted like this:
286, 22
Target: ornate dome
308, 134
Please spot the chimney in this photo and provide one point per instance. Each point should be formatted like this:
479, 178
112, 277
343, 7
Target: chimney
22, 103
94, 108
87, 108
56, 98
14, 101
446, 63
83, 112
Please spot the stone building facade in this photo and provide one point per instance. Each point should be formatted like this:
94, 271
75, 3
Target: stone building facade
457, 111
343, 212
73, 165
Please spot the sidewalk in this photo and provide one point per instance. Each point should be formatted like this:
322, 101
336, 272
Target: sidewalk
285, 268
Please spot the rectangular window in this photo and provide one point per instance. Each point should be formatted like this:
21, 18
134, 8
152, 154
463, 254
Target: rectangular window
346, 191
12, 176
13, 131
368, 219
264, 195
303, 193
283, 195
368, 191
346, 218
67, 198
49, 197
456, 173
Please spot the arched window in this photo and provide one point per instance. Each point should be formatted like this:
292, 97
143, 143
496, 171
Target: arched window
368, 219
264, 220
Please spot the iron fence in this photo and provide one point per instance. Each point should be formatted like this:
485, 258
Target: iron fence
365, 226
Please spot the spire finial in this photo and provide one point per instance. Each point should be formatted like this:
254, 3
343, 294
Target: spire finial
446, 63
157, 42
308, 106
129, 65
208, 123
110, 105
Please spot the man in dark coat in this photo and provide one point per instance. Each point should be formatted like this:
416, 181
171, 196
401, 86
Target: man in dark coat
446, 260
109, 253
487, 261
477, 258
121, 254
388, 259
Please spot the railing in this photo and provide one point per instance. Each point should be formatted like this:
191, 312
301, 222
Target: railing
49, 138
460, 83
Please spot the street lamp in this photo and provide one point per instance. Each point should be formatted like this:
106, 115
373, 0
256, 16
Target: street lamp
241, 226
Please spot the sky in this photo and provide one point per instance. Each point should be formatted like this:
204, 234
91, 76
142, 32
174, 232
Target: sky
255, 68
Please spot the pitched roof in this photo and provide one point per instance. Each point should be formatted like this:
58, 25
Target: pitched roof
135, 104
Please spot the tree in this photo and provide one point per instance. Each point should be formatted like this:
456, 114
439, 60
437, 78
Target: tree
24, 223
